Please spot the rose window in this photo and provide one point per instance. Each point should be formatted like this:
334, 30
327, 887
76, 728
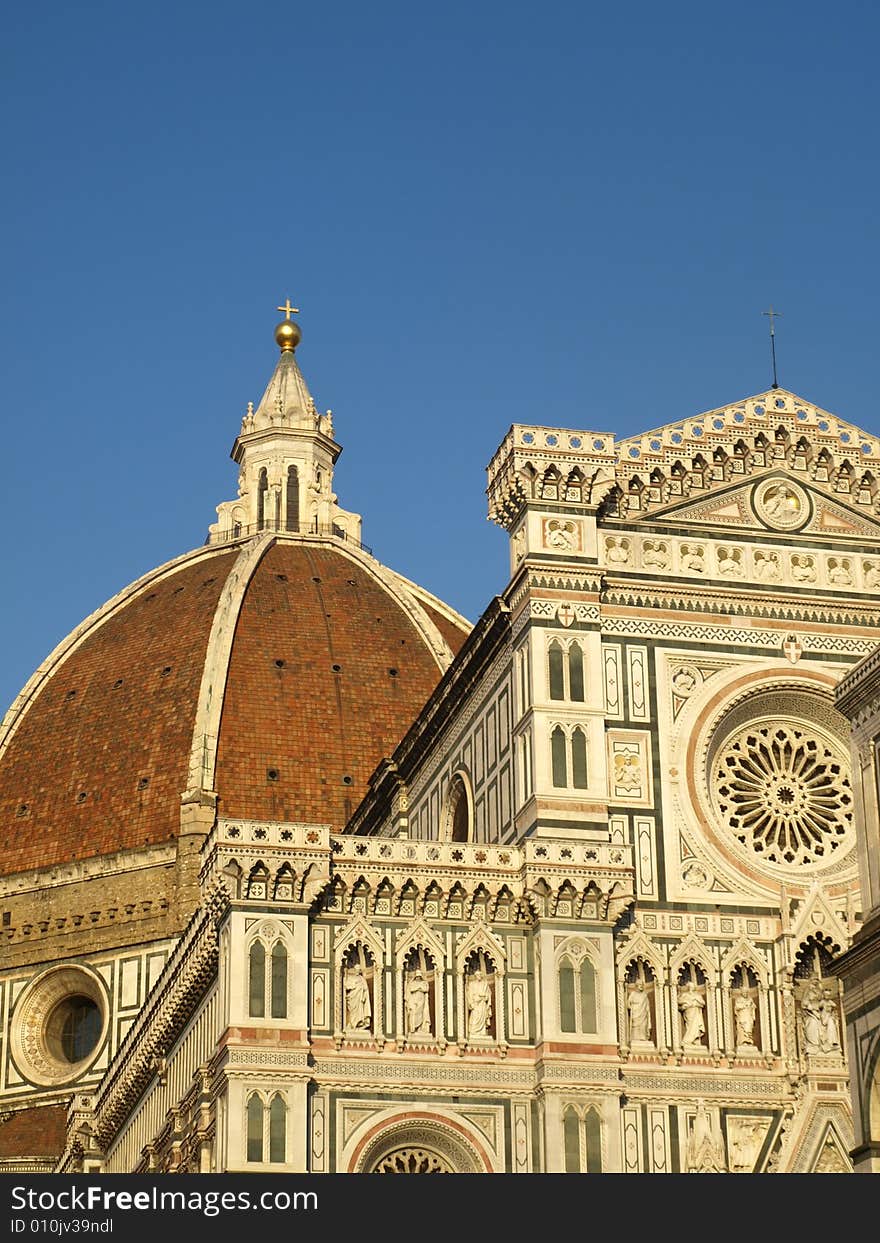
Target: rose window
412, 1161
784, 790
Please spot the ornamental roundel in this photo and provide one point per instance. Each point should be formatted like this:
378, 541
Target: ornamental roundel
783, 789
781, 504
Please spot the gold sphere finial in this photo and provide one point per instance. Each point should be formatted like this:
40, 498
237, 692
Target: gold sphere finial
288, 334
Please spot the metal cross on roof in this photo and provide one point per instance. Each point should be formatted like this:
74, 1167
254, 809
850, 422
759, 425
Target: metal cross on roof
771, 314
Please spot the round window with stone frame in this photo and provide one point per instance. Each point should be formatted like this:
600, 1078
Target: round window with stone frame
779, 781
59, 1025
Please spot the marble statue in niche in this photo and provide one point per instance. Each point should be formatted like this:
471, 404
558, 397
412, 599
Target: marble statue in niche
479, 1005
744, 1015
358, 1009
692, 1005
418, 1011
638, 1006
819, 1020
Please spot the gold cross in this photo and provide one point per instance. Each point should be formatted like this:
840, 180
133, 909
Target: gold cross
288, 309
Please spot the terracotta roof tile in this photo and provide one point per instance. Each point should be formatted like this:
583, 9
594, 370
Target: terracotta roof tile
118, 712
322, 720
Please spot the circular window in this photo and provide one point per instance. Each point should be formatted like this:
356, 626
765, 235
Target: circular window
778, 774
73, 1029
784, 791
413, 1161
59, 1025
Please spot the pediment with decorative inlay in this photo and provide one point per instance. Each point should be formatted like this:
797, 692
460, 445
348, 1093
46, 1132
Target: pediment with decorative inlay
777, 503
693, 468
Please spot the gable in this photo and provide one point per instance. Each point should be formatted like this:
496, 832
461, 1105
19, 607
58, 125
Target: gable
777, 502
711, 469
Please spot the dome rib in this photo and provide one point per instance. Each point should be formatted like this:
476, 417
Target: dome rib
119, 741
333, 643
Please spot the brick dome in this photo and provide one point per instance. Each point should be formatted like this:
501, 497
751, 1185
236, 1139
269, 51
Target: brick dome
275, 671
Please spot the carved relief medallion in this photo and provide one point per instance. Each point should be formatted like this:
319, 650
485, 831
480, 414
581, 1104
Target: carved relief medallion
780, 504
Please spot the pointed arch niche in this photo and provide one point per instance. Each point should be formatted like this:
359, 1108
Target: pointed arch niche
642, 1012
480, 961
359, 1002
639, 962
693, 1001
746, 1003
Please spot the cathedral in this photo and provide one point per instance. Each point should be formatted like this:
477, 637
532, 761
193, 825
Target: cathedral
303, 872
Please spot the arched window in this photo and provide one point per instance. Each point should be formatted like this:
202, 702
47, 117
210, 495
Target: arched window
566, 670
257, 981
254, 1128
571, 1128
587, 996
579, 759
593, 1136
525, 766
557, 675
278, 1129
576, 673
262, 489
460, 821
292, 499
582, 1142
567, 1008
568, 757
558, 757
457, 826
279, 981
577, 995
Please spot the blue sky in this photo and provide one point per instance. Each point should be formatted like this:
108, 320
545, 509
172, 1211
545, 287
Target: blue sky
489, 213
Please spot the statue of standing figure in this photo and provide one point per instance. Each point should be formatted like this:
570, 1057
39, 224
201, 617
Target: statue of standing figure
639, 1006
691, 1003
479, 1004
830, 1030
744, 1014
418, 1011
358, 1010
